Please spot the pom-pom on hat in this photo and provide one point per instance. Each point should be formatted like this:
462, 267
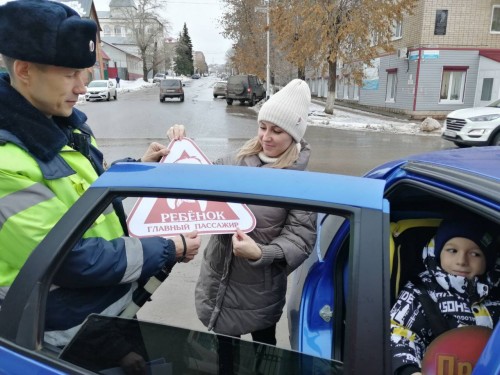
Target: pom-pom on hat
480, 233
288, 108
47, 32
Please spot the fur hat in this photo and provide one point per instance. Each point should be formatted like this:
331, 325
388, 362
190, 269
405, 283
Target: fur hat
47, 32
480, 233
288, 108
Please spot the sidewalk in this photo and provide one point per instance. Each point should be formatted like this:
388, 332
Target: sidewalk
357, 109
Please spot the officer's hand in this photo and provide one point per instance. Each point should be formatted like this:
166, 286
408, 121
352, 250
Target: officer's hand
176, 132
155, 152
193, 242
245, 247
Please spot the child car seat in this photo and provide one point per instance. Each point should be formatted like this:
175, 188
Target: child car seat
408, 238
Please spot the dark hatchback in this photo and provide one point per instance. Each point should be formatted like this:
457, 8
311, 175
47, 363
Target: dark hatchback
171, 88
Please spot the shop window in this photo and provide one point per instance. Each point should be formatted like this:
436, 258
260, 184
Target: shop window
453, 84
392, 82
487, 89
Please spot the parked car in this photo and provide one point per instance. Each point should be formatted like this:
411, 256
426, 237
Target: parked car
341, 297
477, 126
171, 88
333, 292
158, 77
101, 90
245, 88
196, 76
220, 88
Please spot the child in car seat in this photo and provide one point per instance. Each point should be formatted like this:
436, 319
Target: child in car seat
453, 291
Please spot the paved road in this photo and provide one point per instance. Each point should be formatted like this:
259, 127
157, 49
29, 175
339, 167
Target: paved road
127, 126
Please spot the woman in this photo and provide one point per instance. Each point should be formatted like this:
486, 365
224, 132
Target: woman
243, 278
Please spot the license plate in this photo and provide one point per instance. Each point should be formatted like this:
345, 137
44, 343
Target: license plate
170, 90
450, 133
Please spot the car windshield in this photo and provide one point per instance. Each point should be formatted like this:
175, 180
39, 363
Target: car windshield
495, 104
170, 83
220, 84
98, 84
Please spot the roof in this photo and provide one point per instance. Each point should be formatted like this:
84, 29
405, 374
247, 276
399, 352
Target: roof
482, 161
105, 55
490, 54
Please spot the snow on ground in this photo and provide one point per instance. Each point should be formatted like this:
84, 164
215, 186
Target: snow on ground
343, 118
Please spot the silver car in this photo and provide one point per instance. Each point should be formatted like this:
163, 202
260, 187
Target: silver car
220, 89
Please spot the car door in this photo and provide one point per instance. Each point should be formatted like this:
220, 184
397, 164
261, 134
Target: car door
358, 202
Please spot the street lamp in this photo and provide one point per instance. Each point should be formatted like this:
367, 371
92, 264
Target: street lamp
268, 75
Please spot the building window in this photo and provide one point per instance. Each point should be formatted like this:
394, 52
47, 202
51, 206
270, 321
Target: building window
453, 84
487, 89
392, 83
346, 89
397, 30
356, 92
495, 19
118, 30
441, 22
107, 30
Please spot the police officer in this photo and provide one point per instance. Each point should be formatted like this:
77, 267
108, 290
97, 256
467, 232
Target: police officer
49, 158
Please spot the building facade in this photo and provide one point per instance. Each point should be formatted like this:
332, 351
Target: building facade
447, 57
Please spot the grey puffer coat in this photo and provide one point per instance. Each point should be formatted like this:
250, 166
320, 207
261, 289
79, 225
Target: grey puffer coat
235, 296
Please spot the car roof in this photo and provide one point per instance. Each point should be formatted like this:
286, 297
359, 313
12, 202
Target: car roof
250, 182
482, 161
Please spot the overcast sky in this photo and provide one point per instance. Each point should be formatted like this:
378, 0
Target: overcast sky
201, 18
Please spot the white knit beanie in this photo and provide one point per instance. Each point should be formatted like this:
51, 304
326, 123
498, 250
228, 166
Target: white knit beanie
288, 108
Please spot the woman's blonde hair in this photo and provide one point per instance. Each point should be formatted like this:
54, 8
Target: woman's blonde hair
285, 160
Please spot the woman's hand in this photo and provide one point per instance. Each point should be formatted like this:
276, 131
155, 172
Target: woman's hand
245, 247
176, 132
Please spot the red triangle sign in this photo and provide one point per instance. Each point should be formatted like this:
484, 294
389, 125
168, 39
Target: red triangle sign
171, 216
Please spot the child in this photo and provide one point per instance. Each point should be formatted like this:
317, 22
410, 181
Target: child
459, 277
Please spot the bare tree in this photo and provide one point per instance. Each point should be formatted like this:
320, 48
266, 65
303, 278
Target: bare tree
320, 33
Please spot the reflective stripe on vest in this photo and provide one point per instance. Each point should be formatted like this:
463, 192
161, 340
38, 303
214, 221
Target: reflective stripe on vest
31, 205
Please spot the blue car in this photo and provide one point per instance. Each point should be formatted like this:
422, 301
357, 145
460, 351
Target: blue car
341, 297
335, 291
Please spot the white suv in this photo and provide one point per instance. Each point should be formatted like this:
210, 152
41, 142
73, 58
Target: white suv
479, 126
101, 90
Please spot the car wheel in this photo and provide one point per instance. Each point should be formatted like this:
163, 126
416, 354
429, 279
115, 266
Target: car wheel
182, 98
109, 97
215, 96
229, 101
496, 140
252, 101
87, 100
162, 100
116, 96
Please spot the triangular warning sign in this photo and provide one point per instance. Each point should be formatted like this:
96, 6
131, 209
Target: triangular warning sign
171, 216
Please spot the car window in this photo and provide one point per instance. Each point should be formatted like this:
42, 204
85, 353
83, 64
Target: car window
237, 79
170, 83
98, 84
102, 341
